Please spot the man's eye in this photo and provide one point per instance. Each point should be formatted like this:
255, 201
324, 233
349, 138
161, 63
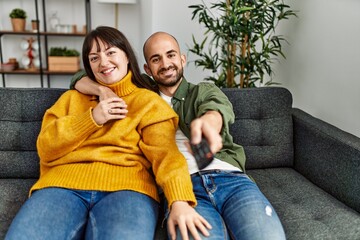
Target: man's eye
155, 60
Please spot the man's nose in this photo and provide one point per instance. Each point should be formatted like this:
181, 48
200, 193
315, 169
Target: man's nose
165, 62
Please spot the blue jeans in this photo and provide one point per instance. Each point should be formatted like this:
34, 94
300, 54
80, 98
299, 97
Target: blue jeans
57, 213
235, 207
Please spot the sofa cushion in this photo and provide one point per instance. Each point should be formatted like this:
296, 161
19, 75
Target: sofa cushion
19, 164
263, 125
13, 194
306, 211
21, 113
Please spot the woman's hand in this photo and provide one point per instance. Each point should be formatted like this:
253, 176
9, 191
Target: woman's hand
109, 109
187, 219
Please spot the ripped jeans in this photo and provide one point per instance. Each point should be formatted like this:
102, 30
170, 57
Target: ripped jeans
235, 207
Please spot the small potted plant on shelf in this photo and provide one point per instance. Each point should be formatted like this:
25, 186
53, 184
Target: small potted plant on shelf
63, 59
18, 19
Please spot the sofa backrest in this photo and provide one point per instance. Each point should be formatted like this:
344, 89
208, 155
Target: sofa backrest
263, 125
21, 113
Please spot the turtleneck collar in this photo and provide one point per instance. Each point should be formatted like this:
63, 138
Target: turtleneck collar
123, 87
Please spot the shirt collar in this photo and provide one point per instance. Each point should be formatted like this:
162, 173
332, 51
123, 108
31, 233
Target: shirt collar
182, 90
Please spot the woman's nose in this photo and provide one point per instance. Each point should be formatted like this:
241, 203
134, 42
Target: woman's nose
104, 60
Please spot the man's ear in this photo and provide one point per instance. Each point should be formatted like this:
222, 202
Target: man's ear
183, 59
147, 69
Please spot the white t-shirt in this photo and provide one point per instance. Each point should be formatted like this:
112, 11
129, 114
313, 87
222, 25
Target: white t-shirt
193, 168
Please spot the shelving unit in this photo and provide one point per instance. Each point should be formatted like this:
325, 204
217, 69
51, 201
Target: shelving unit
43, 39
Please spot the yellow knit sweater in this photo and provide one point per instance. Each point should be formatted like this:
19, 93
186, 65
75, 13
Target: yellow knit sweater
76, 153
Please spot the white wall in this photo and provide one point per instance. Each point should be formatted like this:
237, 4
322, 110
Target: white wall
322, 59
321, 69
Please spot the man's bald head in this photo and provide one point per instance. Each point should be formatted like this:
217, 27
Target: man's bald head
158, 37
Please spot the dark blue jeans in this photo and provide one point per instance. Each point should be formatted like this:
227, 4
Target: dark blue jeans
235, 207
57, 213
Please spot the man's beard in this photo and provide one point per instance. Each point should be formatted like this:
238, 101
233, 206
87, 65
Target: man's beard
172, 83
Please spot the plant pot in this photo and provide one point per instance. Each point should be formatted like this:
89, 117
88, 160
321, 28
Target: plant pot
18, 24
34, 25
64, 64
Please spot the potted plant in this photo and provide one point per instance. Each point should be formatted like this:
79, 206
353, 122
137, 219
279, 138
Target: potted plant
18, 19
63, 59
240, 43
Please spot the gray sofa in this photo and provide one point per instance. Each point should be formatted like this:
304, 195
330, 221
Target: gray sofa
308, 169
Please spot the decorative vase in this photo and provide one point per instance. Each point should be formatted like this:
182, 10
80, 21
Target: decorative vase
18, 24
54, 21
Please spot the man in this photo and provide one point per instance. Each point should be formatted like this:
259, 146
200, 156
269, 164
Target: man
227, 198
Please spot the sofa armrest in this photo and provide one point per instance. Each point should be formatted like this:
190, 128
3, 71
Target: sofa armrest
328, 157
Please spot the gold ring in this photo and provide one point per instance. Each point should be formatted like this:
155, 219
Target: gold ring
109, 111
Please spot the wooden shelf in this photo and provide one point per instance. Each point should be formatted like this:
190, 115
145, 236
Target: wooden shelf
78, 34
60, 72
37, 71
21, 71
9, 32
43, 38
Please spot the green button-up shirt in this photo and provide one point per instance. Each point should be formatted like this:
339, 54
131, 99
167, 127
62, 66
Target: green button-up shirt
191, 101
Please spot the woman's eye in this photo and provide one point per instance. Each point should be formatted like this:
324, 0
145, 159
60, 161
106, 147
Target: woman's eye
111, 53
93, 59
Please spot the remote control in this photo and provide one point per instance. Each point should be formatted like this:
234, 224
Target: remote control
202, 153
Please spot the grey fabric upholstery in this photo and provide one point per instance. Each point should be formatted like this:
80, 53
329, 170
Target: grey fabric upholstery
328, 157
308, 169
263, 126
306, 211
21, 113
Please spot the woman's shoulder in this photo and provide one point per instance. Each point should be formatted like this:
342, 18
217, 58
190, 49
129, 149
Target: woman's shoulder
151, 96
152, 102
74, 95
146, 91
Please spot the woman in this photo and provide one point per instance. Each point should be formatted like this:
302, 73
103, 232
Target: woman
98, 158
